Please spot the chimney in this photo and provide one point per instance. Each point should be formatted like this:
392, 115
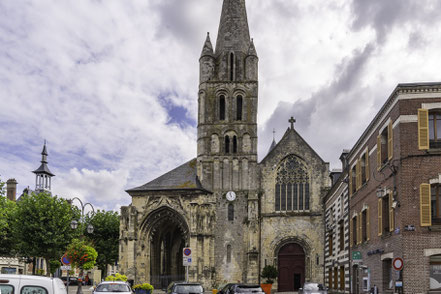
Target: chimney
344, 158
11, 189
335, 174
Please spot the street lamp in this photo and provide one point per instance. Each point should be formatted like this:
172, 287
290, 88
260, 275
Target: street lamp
74, 225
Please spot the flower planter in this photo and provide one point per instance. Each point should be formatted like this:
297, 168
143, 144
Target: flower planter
266, 288
142, 291
214, 291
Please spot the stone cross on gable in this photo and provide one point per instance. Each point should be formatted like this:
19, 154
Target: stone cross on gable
292, 121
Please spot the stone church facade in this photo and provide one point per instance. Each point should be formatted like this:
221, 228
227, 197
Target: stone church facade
236, 214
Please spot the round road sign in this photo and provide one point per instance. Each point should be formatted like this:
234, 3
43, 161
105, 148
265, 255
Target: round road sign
398, 263
65, 260
187, 251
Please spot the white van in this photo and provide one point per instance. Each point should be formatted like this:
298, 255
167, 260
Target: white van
25, 284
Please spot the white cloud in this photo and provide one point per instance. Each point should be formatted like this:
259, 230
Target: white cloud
88, 77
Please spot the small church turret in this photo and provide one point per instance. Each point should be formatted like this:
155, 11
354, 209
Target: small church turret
43, 175
251, 63
206, 61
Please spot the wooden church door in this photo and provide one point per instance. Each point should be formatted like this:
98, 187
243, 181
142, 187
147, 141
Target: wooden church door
291, 260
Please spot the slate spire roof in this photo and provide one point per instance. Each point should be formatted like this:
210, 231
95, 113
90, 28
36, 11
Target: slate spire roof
43, 169
234, 33
208, 47
183, 177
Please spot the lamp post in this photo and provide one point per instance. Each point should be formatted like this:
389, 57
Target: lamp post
74, 225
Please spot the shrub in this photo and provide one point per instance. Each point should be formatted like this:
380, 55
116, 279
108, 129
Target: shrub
269, 273
116, 277
145, 286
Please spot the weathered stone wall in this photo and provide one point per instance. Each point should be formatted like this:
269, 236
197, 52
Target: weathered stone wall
303, 227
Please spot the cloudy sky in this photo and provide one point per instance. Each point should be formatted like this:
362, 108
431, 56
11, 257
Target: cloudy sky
112, 84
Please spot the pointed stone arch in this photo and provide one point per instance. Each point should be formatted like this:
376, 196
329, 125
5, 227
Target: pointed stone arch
292, 185
164, 232
292, 256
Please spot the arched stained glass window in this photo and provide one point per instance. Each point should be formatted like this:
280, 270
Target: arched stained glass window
234, 144
292, 186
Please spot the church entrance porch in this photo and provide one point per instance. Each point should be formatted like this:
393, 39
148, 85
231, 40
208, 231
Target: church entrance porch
168, 235
291, 259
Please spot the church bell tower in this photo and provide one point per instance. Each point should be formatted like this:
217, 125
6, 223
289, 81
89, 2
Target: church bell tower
227, 115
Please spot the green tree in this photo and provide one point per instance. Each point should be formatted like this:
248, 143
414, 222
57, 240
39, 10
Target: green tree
81, 254
105, 238
41, 226
7, 210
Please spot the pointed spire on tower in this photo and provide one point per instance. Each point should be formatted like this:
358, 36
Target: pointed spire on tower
252, 50
208, 47
43, 175
233, 34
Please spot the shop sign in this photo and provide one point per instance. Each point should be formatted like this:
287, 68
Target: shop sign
356, 256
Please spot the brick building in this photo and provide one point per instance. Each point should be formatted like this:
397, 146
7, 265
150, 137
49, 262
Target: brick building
394, 188
336, 201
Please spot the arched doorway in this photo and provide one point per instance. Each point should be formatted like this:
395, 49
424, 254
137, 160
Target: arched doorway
291, 258
168, 235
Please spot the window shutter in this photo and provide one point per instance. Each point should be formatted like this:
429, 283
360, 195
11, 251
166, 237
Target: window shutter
390, 141
358, 177
350, 182
367, 171
351, 237
391, 213
368, 225
380, 217
378, 152
425, 206
423, 129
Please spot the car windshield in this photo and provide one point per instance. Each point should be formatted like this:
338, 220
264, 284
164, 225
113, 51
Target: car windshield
313, 286
188, 289
248, 289
112, 288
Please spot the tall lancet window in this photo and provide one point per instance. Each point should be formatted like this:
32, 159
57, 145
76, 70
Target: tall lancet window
227, 144
231, 66
239, 107
292, 186
234, 144
230, 212
222, 107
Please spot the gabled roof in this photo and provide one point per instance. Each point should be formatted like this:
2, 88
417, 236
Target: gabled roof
183, 177
290, 134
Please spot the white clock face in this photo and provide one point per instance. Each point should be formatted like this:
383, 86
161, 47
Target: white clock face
231, 196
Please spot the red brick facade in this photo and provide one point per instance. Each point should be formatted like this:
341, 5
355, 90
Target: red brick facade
404, 167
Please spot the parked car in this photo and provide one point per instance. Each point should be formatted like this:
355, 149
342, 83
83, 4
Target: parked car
184, 288
234, 288
113, 286
313, 288
10, 284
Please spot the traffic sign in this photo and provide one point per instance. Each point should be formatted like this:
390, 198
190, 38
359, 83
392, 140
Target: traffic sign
65, 260
66, 267
398, 263
187, 252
